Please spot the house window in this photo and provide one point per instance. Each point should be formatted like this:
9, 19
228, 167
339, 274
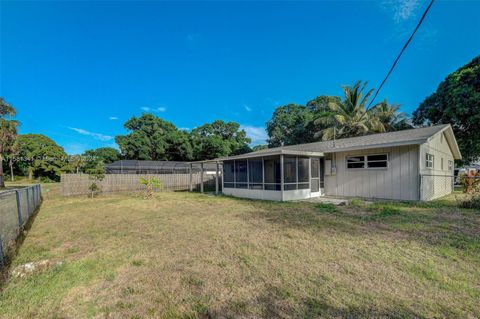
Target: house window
429, 160
356, 162
367, 161
441, 163
450, 166
377, 161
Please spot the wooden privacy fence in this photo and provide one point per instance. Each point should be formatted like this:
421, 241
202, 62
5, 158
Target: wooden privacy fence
16, 208
78, 184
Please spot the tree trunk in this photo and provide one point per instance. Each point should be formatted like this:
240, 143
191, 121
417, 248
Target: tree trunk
78, 169
2, 182
30, 173
11, 169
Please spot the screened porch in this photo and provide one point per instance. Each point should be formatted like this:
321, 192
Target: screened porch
276, 177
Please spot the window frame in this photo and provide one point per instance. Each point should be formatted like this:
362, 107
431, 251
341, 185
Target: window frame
366, 162
450, 166
428, 160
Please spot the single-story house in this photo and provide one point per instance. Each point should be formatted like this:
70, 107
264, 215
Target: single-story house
415, 164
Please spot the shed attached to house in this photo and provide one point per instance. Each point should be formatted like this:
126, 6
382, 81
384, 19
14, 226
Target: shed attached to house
415, 164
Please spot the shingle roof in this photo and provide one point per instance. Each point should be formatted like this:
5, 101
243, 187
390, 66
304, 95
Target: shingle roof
405, 137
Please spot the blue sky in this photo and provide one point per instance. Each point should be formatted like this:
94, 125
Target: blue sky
76, 71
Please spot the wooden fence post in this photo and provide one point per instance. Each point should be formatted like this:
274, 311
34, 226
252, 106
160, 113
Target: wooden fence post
216, 179
201, 177
191, 178
19, 208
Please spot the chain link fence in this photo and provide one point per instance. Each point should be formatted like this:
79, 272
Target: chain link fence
16, 208
435, 186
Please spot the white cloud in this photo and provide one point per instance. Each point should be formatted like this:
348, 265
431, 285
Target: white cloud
247, 108
113, 118
158, 109
256, 133
97, 136
401, 10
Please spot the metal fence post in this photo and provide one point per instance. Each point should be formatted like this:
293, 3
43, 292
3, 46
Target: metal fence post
19, 208
2, 255
28, 202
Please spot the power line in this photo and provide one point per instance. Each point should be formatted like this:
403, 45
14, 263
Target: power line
401, 52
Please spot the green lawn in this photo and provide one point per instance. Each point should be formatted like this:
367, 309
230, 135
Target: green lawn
184, 255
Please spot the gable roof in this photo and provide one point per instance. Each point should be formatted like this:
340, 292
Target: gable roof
415, 136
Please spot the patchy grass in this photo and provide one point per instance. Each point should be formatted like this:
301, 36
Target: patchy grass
184, 255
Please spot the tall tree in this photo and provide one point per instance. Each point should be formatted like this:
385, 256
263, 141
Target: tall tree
14, 151
457, 102
105, 155
219, 139
349, 117
43, 157
151, 138
290, 124
295, 124
8, 133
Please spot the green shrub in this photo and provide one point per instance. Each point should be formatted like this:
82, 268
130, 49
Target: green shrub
473, 202
326, 208
150, 185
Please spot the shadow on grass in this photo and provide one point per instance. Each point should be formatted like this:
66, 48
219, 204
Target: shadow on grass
4, 272
433, 223
276, 302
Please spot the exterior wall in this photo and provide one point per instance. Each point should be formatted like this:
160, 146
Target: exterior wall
436, 181
267, 195
400, 181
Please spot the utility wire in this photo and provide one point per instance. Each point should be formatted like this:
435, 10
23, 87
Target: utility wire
401, 52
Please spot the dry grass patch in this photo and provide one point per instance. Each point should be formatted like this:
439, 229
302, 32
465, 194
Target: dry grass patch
184, 255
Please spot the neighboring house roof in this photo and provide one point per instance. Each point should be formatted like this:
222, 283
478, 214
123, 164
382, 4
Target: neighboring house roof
406, 137
153, 165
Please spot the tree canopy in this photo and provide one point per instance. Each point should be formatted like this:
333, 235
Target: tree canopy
457, 102
42, 157
8, 133
219, 139
291, 124
152, 138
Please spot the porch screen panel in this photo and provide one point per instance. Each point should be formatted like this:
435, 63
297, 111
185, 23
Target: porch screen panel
272, 174
315, 167
255, 176
228, 176
241, 174
303, 173
290, 173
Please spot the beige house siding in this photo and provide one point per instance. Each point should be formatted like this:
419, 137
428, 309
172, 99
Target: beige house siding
434, 185
399, 181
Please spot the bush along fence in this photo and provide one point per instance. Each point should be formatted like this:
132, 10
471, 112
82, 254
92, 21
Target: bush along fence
78, 184
16, 208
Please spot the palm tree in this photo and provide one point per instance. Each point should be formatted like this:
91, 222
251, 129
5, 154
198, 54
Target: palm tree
8, 132
390, 117
349, 117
